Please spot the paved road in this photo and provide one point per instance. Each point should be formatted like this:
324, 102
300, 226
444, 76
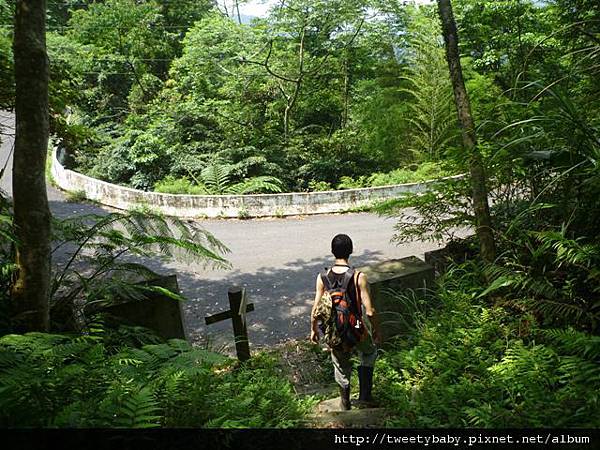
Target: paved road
275, 259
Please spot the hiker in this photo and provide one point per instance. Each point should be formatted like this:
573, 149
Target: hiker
337, 312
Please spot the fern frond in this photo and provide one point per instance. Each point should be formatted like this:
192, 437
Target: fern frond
139, 409
569, 251
104, 243
256, 185
432, 116
216, 178
557, 308
575, 342
575, 368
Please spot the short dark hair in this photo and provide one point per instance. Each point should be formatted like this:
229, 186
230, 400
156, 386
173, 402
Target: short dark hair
341, 246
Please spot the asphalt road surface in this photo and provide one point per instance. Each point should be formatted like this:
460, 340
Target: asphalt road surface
276, 260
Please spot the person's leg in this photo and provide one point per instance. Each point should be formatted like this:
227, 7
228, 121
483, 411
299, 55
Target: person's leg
342, 371
368, 355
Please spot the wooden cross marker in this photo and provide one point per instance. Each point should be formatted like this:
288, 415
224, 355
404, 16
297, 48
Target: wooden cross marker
238, 308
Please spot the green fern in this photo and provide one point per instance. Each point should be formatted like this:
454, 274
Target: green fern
262, 184
138, 409
532, 366
163, 352
517, 279
575, 342
576, 369
569, 251
76, 381
481, 416
432, 114
102, 245
215, 179
546, 272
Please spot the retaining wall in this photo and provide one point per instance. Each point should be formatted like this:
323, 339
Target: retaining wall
256, 205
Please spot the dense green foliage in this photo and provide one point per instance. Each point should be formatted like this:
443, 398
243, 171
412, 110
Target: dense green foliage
473, 363
97, 381
541, 150
6, 63
515, 343
177, 97
151, 94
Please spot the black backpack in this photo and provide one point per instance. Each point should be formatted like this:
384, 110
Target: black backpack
346, 314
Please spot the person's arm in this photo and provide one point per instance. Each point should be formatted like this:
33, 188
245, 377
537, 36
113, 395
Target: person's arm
314, 326
369, 308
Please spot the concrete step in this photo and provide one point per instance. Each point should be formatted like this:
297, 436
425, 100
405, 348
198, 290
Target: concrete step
317, 389
328, 414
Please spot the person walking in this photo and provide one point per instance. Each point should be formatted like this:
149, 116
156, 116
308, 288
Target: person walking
342, 294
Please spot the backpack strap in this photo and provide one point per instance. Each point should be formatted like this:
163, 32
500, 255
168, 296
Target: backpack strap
329, 284
348, 275
325, 278
358, 297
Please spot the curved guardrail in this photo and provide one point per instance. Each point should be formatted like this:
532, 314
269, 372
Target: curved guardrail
254, 205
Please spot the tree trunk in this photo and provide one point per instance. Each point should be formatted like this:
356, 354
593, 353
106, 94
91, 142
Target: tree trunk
346, 92
31, 212
237, 8
463, 107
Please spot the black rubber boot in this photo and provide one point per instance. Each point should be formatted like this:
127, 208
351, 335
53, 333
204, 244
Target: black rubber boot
365, 378
345, 398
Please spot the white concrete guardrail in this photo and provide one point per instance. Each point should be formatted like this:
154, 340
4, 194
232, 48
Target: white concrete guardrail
254, 205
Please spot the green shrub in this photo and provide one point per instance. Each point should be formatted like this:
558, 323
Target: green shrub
319, 186
351, 183
424, 172
243, 214
75, 196
172, 185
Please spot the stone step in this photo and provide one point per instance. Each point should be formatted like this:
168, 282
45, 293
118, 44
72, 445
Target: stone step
317, 389
328, 414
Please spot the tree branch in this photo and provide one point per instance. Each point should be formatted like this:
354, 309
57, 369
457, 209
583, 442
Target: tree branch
265, 64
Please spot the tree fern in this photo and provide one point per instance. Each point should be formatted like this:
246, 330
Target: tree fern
433, 118
98, 267
256, 185
216, 179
